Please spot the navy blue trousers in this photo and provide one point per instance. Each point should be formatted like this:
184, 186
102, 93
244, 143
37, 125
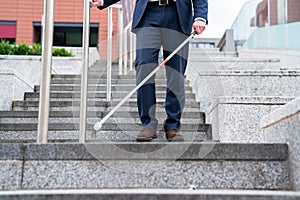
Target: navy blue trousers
158, 28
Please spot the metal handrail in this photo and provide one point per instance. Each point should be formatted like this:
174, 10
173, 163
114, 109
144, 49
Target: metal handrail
120, 42
123, 53
84, 71
123, 48
109, 55
44, 102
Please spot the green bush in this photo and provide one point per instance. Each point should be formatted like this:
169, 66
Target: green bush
21, 49
36, 49
61, 52
5, 47
24, 49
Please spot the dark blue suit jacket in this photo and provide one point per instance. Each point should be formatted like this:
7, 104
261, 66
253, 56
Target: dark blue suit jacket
184, 9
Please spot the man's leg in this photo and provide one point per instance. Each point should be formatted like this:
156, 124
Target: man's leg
148, 46
175, 93
172, 37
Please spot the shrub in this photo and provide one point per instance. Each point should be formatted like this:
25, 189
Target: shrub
24, 49
36, 49
61, 52
5, 47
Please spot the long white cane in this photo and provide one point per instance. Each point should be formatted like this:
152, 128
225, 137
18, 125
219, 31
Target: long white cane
98, 125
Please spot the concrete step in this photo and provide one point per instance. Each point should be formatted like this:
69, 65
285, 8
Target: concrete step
204, 49
245, 83
100, 88
99, 72
199, 59
94, 75
14, 116
120, 126
132, 76
129, 85
189, 103
75, 119
100, 75
203, 53
155, 165
90, 76
137, 194
119, 113
123, 80
97, 96
67, 136
97, 108
113, 130
101, 81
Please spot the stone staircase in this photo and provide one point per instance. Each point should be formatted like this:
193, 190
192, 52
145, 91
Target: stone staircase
20, 124
111, 165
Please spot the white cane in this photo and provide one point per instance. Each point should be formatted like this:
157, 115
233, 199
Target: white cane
98, 125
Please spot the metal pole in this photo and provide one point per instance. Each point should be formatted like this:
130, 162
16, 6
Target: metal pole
131, 52
109, 54
84, 70
44, 102
121, 29
269, 13
134, 46
125, 51
286, 12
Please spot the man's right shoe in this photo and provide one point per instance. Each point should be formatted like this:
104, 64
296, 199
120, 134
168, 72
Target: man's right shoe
146, 135
173, 135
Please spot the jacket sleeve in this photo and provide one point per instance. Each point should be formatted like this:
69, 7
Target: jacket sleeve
200, 9
107, 3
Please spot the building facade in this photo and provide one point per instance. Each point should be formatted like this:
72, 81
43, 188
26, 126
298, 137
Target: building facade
22, 22
281, 12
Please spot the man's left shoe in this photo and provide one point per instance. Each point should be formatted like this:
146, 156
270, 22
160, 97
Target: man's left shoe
146, 135
173, 135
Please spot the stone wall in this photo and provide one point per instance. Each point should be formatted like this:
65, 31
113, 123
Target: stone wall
12, 86
283, 126
234, 98
237, 119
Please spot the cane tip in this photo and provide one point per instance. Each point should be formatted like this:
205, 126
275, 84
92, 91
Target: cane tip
97, 126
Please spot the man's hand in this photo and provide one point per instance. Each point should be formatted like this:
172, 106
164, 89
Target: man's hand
97, 3
199, 26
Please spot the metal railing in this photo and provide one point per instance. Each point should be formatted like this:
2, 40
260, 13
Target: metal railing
44, 102
123, 52
84, 71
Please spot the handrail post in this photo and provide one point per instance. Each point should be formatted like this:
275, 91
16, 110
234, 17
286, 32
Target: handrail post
269, 13
84, 71
109, 55
131, 52
125, 51
134, 47
120, 43
47, 42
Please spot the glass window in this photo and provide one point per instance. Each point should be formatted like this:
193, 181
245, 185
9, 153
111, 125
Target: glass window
67, 34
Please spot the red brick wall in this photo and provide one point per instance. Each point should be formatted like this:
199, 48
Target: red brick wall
293, 10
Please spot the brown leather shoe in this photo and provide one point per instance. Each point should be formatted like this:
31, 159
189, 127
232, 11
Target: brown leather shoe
173, 135
146, 135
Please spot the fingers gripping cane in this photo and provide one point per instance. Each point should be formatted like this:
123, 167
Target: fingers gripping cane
99, 124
